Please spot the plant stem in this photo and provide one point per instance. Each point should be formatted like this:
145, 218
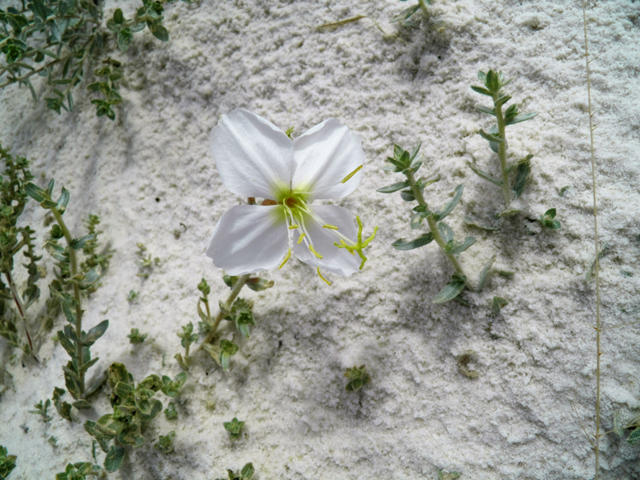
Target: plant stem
595, 232
21, 310
242, 279
502, 151
433, 226
76, 293
423, 7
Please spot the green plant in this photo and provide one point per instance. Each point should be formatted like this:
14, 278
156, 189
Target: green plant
146, 262
236, 310
171, 388
79, 471
496, 136
13, 239
78, 278
133, 407
135, 337
246, 473
165, 443
547, 220
358, 378
187, 337
412, 190
170, 412
234, 427
41, 409
7, 463
60, 40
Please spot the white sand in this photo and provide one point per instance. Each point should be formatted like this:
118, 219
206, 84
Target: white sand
151, 171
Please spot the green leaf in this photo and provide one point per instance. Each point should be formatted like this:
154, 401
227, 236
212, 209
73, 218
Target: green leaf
407, 196
472, 222
114, 459
247, 471
124, 39
463, 246
489, 137
498, 303
482, 91
159, 31
634, 437
446, 232
95, 333
524, 169
79, 243
82, 404
521, 118
421, 241
484, 274
417, 218
446, 209
56, 251
452, 289
35, 192
393, 188
38, 7
227, 350
508, 213
118, 17
482, 109
547, 220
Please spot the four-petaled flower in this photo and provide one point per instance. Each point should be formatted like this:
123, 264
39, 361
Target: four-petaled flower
256, 159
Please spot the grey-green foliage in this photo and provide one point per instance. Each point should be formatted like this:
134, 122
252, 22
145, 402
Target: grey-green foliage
133, 407
63, 408
187, 338
135, 337
7, 463
41, 409
622, 428
496, 136
147, 264
358, 378
442, 475
75, 277
407, 17
79, 471
171, 388
165, 443
170, 412
547, 220
246, 473
234, 427
59, 40
15, 238
411, 190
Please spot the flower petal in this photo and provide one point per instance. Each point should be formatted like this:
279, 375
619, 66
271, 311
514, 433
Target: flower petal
248, 239
324, 156
334, 259
253, 156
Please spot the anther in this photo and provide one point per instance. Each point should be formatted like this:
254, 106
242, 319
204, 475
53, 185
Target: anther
313, 250
348, 177
320, 275
330, 227
302, 235
293, 227
286, 259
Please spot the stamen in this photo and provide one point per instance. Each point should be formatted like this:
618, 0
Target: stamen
330, 227
286, 259
320, 275
302, 235
348, 177
293, 227
313, 250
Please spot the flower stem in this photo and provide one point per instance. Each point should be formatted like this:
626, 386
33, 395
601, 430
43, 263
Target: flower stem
502, 151
433, 226
242, 279
21, 310
76, 293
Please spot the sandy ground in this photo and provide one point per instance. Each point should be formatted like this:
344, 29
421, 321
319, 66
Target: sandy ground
150, 173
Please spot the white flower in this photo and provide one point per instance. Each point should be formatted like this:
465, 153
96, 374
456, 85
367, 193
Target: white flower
256, 159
